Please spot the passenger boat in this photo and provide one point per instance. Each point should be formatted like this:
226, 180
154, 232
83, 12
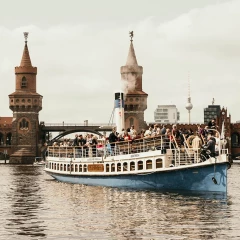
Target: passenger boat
147, 163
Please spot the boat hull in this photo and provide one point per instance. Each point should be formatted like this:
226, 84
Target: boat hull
199, 178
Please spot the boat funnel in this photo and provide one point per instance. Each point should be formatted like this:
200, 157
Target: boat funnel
119, 111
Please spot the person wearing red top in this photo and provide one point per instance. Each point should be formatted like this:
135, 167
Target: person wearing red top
126, 136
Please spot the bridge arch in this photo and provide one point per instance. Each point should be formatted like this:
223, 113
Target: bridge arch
1, 138
5, 138
74, 131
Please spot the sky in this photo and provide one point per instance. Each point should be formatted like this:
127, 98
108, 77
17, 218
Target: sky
79, 46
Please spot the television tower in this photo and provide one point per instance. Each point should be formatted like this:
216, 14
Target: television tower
189, 105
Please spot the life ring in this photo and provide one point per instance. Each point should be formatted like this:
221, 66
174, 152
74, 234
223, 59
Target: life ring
189, 140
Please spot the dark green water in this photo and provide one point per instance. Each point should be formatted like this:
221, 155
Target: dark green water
34, 206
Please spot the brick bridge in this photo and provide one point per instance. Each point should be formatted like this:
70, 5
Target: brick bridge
68, 128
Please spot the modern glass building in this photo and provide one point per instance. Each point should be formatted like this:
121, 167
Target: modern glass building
211, 112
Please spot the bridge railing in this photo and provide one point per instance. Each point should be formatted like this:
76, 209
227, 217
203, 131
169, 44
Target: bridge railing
77, 124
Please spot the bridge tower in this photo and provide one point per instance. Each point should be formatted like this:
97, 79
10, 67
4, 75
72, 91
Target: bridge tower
25, 103
135, 97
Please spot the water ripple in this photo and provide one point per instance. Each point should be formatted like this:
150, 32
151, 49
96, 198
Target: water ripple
34, 206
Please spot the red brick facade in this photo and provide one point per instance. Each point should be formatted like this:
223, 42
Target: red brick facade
25, 103
135, 97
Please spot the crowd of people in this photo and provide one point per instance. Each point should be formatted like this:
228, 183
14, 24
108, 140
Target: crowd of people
206, 137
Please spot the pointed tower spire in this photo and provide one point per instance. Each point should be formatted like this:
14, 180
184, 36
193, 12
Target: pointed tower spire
26, 61
131, 59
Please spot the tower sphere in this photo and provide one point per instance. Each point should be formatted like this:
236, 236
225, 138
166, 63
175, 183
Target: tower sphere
189, 106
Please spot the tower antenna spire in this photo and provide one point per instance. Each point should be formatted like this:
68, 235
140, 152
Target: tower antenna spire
188, 85
189, 105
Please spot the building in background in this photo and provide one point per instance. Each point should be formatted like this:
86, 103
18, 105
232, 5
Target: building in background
212, 111
166, 114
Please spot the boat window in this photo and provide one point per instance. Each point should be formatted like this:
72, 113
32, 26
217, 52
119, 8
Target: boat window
113, 167
68, 167
61, 167
140, 165
132, 166
85, 168
119, 167
64, 167
58, 166
55, 166
149, 164
125, 166
72, 168
80, 168
76, 168
159, 163
107, 167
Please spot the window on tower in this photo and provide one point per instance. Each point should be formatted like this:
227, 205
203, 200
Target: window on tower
24, 82
23, 125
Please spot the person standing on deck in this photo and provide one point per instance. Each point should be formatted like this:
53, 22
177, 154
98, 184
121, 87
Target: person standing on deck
76, 144
113, 138
211, 145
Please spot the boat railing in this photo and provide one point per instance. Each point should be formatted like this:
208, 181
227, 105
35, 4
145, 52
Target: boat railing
178, 155
185, 144
176, 150
184, 158
112, 149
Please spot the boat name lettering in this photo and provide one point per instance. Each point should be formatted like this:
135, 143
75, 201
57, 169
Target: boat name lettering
94, 158
95, 167
134, 155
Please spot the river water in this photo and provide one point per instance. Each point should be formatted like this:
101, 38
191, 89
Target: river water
34, 206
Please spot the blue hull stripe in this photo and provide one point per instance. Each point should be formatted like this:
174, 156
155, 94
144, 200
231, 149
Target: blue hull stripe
189, 179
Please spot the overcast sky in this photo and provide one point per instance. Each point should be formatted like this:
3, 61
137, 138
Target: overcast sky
79, 46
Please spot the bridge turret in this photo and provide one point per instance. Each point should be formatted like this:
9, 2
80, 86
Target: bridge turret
25, 103
136, 98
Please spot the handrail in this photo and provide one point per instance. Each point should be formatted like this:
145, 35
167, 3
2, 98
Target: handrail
185, 144
63, 124
127, 147
178, 150
176, 144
